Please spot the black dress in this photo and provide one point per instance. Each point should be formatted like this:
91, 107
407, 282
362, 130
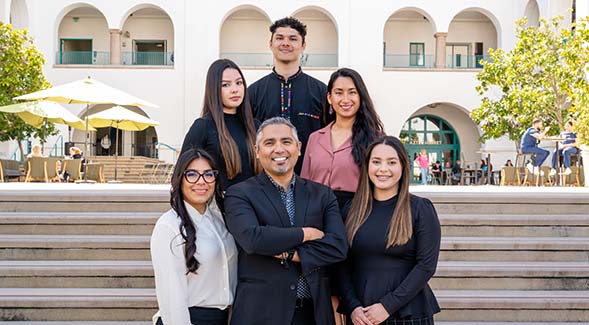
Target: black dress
203, 135
395, 277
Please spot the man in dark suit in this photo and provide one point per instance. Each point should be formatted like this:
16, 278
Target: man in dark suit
288, 230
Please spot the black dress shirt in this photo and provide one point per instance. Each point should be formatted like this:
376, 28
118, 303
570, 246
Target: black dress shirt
203, 135
269, 97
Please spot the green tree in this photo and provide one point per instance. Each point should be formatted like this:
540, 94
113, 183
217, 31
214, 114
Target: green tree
21, 72
576, 57
532, 80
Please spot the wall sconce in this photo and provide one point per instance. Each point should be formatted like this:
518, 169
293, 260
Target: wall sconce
76, 19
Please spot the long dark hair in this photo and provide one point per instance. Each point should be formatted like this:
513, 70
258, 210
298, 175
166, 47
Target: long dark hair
367, 124
213, 107
187, 228
400, 227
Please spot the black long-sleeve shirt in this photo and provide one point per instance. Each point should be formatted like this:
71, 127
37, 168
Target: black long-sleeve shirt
269, 96
203, 135
395, 277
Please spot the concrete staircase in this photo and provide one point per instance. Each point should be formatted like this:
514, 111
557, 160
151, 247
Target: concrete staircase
130, 169
79, 254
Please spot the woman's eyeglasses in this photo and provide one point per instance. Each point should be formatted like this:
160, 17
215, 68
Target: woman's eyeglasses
192, 176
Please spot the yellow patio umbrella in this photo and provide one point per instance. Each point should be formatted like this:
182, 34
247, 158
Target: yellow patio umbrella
35, 112
120, 118
86, 91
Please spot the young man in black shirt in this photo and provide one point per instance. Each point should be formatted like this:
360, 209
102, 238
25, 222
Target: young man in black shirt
287, 91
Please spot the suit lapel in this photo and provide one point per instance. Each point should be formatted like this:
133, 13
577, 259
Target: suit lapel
274, 199
301, 202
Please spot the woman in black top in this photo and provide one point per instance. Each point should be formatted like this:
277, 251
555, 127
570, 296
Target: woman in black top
226, 128
394, 244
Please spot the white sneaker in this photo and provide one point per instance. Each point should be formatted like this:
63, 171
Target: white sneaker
552, 172
568, 171
530, 168
541, 173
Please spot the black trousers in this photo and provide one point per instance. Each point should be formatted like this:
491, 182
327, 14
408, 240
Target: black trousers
304, 313
427, 320
205, 316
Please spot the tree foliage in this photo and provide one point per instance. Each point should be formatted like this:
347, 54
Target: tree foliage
576, 56
21, 72
534, 80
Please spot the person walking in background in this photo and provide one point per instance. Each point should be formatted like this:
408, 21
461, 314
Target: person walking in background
226, 128
105, 145
529, 144
335, 153
423, 162
288, 230
437, 172
194, 257
287, 91
394, 239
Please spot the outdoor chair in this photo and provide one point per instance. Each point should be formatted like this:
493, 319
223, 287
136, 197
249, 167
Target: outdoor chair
72, 167
42, 168
147, 172
95, 172
10, 169
508, 176
574, 178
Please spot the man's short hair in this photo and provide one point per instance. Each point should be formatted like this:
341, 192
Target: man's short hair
276, 121
569, 122
536, 120
289, 22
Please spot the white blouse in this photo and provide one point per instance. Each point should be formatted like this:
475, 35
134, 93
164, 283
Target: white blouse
214, 284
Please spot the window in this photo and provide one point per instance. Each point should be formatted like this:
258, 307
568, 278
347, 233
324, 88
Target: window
416, 54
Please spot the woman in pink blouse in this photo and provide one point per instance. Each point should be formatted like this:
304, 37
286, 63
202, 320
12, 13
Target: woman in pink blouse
335, 153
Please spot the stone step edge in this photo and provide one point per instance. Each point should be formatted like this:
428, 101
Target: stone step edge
448, 243
513, 220
143, 268
145, 298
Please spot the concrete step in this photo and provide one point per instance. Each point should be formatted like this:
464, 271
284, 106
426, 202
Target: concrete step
74, 247
513, 305
81, 223
519, 275
515, 249
513, 225
76, 274
139, 304
86, 304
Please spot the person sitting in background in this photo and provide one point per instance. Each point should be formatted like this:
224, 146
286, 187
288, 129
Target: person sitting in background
508, 163
566, 149
437, 171
36, 151
529, 144
457, 171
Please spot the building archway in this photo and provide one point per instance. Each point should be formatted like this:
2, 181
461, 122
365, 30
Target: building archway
147, 37
83, 37
138, 143
409, 39
434, 134
532, 12
240, 39
471, 34
19, 14
321, 39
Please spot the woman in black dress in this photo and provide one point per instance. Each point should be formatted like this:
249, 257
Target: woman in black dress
394, 244
226, 128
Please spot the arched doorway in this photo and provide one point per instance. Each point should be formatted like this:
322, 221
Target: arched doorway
433, 134
130, 143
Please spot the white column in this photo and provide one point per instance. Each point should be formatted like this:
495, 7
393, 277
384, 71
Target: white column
440, 49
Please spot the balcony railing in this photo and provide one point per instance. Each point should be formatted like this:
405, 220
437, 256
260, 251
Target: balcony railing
459, 61
409, 61
249, 59
265, 59
147, 58
82, 57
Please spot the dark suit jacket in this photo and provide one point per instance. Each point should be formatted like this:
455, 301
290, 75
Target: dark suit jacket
257, 219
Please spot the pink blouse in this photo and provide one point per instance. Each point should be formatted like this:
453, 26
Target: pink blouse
333, 168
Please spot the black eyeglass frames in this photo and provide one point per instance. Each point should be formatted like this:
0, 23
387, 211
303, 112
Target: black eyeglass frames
192, 176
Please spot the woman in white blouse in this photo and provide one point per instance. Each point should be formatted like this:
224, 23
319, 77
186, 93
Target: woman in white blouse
194, 257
